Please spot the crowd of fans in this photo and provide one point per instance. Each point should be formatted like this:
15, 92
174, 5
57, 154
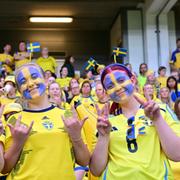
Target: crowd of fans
88, 96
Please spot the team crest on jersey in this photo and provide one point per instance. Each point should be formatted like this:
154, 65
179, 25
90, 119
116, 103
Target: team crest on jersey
48, 125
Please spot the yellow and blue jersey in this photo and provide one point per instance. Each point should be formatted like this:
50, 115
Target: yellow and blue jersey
135, 150
175, 58
47, 153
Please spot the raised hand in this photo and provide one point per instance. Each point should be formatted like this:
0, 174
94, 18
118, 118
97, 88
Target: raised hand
151, 108
19, 131
103, 124
72, 124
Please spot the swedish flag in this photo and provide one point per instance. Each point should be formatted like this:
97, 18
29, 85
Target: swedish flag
120, 52
90, 64
33, 47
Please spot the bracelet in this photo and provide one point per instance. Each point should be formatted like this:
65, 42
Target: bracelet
76, 140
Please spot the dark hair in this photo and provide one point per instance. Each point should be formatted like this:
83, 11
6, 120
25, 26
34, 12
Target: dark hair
176, 84
84, 82
67, 59
62, 69
177, 40
176, 108
161, 68
112, 67
140, 67
127, 64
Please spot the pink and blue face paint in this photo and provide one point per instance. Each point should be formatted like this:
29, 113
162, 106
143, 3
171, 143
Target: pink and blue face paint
118, 81
32, 74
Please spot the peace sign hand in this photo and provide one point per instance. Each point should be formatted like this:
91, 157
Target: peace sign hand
19, 131
73, 125
103, 124
151, 108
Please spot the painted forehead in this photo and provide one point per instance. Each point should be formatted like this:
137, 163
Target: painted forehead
115, 75
27, 72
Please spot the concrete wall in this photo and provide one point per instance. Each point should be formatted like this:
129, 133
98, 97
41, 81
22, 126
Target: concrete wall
135, 39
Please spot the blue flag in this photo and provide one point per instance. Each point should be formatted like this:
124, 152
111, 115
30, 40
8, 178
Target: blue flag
90, 64
33, 47
120, 52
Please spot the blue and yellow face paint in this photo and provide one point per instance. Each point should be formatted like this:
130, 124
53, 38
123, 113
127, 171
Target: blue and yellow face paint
118, 85
30, 82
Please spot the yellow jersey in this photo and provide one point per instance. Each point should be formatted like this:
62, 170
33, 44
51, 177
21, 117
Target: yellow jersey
162, 81
175, 169
47, 153
19, 62
135, 151
175, 58
47, 63
3, 58
63, 82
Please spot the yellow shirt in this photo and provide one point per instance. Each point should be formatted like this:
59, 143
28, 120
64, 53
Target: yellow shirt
19, 62
175, 169
47, 63
142, 159
175, 59
3, 58
86, 108
162, 81
63, 82
47, 153
5, 100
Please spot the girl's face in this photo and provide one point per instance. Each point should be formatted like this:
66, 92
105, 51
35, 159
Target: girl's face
72, 59
143, 68
54, 90
22, 46
148, 90
86, 89
100, 91
162, 72
118, 85
89, 74
30, 82
64, 72
47, 74
172, 83
73, 82
164, 92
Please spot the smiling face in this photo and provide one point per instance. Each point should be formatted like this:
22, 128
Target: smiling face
118, 85
30, 82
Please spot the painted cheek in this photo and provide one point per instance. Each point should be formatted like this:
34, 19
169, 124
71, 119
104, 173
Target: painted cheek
26, 94
114, 97
130, 89
42, 89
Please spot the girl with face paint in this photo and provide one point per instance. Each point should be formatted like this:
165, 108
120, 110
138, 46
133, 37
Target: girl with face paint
50, 138
136, 140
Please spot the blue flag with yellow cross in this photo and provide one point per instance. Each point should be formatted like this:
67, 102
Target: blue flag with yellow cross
33, 47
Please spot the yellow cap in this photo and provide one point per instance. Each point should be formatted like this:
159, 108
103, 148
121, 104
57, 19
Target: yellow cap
100, 67
12, 107
10, 78
149, 72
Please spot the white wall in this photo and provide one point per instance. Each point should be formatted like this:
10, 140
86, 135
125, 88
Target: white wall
115, 34
151, 57
172, 31
135, 39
